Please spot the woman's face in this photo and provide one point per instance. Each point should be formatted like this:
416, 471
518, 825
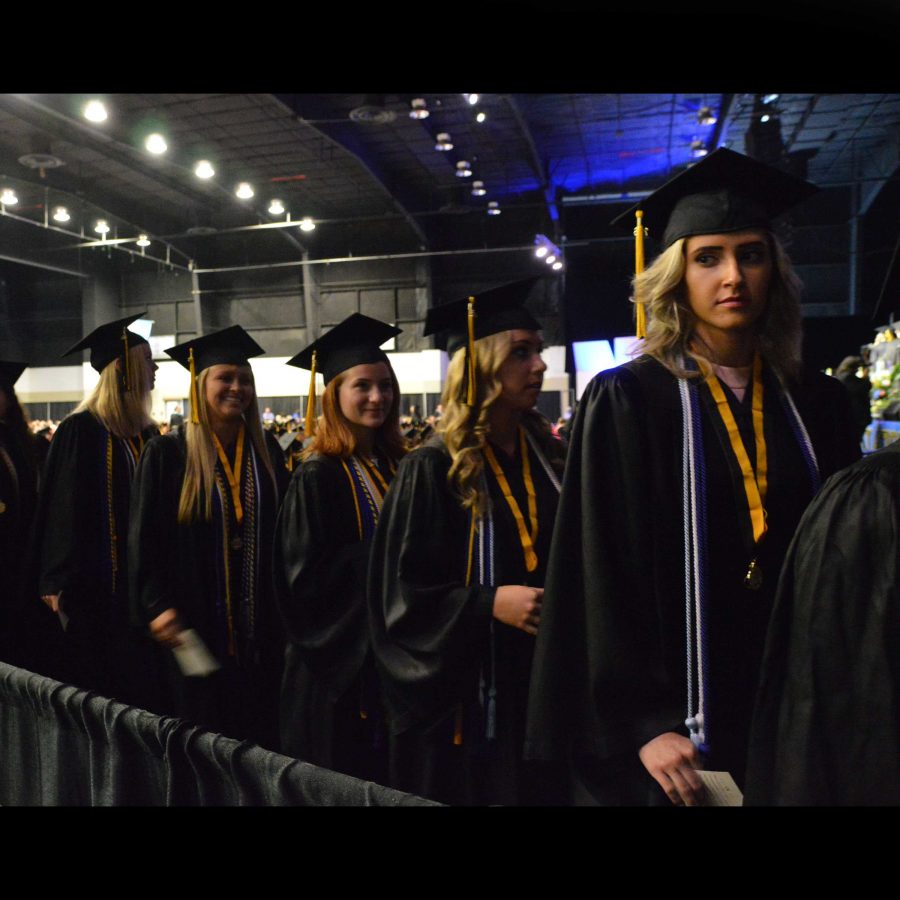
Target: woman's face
150, 366
727, 279
365, 394
229, 392
522, 372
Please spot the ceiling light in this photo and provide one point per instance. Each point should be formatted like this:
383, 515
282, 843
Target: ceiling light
156, 143
463, 169
472, 98
61, 214
550, 259
8, 197
244, 191
276, 208
545, 249
101, 227
307, 224
443, 142
143, 241
204, 169
557, 266
95, 111
480, 117
418, 109
770, 98
705, 116
541, 252
493, 208
478, 189
698, 148
764, 117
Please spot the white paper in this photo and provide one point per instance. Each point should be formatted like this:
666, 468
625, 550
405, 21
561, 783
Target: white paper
193, 656
721, 789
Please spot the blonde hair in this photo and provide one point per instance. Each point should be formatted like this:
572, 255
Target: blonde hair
334, 437
123, 413
195, 502
671, 323
465, 431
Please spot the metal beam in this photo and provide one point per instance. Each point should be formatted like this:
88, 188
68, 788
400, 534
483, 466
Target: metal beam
537, 165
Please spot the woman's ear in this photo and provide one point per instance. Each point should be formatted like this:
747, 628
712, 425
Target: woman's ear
119, 364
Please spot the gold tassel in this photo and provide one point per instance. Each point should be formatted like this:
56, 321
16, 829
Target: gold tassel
127, 361
310, 423
471, 392
640, 313
195, 393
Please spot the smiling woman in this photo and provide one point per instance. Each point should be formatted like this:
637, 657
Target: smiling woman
688, 472
201, 539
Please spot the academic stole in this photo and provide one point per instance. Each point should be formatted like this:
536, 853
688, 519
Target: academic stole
480, 557
367, 487
696, 561
237, 519
130, 450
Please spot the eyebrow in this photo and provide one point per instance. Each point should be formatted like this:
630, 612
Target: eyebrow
741, 246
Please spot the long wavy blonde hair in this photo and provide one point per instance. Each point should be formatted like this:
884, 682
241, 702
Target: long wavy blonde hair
671, 323
465, 431
195, 502
123, 413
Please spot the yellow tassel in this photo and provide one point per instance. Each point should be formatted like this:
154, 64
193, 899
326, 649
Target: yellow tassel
127, 361
311, 400
641, 313
195, 393
471, 393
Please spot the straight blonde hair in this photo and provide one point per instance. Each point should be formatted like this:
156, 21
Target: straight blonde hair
670, 322
123, 413
195, 502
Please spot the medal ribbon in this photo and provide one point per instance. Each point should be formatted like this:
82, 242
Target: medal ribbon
755, 483
233, 475
527, 540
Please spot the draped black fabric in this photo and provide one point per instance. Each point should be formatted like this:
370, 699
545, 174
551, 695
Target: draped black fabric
826, 730
609, 671
66, 747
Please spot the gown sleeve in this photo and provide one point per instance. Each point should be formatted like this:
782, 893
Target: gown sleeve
826, 729
604, 678
428, 628
152, 534
320, 573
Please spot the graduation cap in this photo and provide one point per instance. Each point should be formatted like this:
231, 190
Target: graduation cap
110, 341
10, 372
353, 342
723, 193
481, 315
231, 347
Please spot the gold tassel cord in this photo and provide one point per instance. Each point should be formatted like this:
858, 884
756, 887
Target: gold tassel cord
310, 424
471, 392
640, 312
195, 393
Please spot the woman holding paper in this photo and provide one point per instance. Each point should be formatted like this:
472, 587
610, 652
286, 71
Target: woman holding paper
200, 545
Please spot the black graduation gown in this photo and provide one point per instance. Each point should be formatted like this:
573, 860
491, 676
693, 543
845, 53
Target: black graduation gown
610, 664
432, 635
81, 544
329, 680
826, 730
20, 468
177, 566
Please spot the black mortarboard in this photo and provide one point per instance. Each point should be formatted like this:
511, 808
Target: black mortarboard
725, 192
353, 342
229, 347
10, 372
109, 341
498, 309
478, 316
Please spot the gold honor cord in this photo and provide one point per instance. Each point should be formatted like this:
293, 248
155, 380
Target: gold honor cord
195, 393
233, 475
310, 423
359, 523
755, 484
640, 311
527, 540
372, 469
471, 392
